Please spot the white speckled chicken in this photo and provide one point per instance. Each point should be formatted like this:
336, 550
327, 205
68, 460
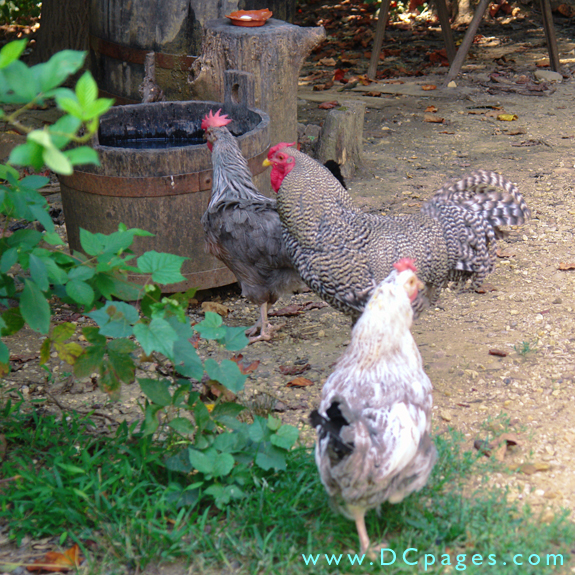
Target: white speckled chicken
243, 228
373, 423
342, 253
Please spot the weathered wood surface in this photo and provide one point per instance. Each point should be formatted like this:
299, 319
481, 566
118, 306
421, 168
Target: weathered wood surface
164, 191
273, 54
341, 137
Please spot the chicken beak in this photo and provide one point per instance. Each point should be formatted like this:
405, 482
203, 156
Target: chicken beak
266, 163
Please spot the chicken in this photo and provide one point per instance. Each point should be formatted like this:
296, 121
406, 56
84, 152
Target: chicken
373, 423
342, 253
243, 228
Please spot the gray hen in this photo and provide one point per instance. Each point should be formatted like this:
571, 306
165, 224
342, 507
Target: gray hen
374, 419
243, 228
342, 253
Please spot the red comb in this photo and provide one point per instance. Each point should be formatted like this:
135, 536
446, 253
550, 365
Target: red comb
216, 120
405, 264
278, 147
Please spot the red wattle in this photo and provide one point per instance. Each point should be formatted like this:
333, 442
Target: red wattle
210, 146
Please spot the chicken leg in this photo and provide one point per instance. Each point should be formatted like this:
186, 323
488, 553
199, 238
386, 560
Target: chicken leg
359, 517
266, 329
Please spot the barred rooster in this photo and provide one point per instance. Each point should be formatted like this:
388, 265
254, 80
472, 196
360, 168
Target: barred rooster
243, 228
373, 423
342, 253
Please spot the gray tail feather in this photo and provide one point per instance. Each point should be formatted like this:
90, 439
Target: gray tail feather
495, 197
331, 426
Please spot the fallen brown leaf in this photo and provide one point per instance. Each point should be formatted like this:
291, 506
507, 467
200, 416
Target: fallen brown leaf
215, 307
498, 352
216, 389
328, 105
299, 382
566, 267
327, 62
293, 369
485, 288
394, 82
427, 87
245, 368
373, 94
58, 562
431, 119
431, 109
505, 254
322, 87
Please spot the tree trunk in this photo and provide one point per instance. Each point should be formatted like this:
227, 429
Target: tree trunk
63, 26
272, 54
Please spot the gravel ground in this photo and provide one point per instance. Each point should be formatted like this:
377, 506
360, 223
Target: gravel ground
525, 313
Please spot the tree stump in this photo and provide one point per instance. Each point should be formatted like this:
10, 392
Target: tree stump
341, 137
273, 54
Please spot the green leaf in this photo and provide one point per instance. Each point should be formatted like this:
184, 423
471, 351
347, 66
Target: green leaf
81, 273
203, 462
70, 106
225, 442
11, 52
38, 272
8, 171
63, 130
13, 321
59, 67
92, 335
122, 345
81, 292
157, 391
82, 155
222, 465
186, 359
285, 437
57, 161
97, 108
86, 90
8, 259
42, 215
151, 422
34, 182
272, 458
227, 409
259, 430
274, 423
4, 353
122, 365
182, 425
28, 154
165, 268
34, 307
53, 239
227, 373
157, 336
211, 327
63, 331
180, 462
235, 338
69, 352
201, 415
90, 361
20, 79
115, 319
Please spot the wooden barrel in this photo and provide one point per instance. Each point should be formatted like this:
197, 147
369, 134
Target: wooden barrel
162, 190
122, 33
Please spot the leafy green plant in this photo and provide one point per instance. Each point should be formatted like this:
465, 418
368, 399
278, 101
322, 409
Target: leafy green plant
18, 10
525, 347
210, 446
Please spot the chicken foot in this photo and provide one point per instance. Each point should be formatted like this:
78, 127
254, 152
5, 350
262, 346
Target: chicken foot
266, 330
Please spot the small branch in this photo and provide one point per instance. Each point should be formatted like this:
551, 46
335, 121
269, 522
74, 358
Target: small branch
97, 413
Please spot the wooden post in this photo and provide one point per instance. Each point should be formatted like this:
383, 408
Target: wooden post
341, 137
273, 54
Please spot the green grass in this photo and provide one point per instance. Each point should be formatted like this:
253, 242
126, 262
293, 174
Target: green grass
113, 493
